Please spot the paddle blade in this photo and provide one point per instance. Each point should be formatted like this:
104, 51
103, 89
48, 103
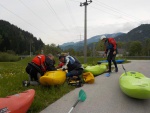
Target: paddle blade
107, 74
82, 95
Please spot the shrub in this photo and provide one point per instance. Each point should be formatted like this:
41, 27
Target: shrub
6, 57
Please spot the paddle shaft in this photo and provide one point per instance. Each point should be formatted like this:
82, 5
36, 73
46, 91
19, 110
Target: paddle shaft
124, 69
73, 106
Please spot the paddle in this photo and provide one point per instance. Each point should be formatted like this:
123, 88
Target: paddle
81, 97
107, 74
124, 69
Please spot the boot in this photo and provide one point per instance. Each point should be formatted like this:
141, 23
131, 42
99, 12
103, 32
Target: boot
116, 69
79, 84
25, 83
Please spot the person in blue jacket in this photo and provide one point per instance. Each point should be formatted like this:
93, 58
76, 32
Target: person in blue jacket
73, 66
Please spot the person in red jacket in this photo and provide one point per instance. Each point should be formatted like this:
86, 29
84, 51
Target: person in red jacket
37, 67
110, 51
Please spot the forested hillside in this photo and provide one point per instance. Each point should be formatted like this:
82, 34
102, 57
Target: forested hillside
14, 39
140, 33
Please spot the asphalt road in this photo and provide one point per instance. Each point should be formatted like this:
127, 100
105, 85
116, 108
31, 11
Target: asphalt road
105, 95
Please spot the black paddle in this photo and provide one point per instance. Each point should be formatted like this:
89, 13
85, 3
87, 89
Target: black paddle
124, 69
81, 97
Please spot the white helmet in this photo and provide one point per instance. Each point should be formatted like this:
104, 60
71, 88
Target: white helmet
102, 37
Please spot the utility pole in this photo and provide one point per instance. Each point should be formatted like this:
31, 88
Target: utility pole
85, 28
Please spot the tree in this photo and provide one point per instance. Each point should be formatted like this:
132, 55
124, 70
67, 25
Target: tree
53, 49
100, 46
135, 48
146, 47
14, 39
71, 51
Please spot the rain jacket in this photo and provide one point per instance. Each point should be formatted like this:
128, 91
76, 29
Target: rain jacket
44, 63
110, 45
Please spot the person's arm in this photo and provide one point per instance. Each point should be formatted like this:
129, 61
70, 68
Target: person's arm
106, 50
60, 65
64, 67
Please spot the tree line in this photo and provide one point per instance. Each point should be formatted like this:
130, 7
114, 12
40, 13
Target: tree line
131, 48
17, 41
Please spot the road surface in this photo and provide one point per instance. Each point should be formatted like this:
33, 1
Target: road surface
105, 96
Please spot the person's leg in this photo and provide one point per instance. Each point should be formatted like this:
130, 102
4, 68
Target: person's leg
33, 76
34, 83
36, 76
29, 77
109, 62
36, 80
114, 62
76, 73
28, 70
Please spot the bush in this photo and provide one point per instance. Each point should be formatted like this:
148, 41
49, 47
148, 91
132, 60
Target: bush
6, 57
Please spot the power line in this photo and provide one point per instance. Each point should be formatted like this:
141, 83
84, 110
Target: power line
20, 17
54, 13
34, 13
108, 12
116, 10
75, 1
39, 17
71, 15
25, 20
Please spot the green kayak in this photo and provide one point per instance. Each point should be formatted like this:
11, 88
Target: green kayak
96, 70
135, 84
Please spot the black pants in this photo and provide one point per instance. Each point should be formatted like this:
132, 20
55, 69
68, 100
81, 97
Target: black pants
75, 72
32, 71
111, 57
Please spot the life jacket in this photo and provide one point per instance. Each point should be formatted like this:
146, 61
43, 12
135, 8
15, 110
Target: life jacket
40, 61
110, 44
73, 63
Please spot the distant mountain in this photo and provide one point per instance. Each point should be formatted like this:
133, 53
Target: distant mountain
68, 43
139, 33
80, 44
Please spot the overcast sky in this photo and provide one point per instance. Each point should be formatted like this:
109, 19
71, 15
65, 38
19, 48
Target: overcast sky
60, 21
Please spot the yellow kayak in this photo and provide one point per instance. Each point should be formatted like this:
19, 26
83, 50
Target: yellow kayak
53, 78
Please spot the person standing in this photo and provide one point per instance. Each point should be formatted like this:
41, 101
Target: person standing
37, 67
110, 51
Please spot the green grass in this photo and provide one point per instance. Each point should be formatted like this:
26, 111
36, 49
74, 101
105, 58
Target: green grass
11, 76
13, 73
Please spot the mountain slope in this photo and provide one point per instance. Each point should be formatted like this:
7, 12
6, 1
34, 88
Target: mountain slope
17, 40
91, 40
140, 33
